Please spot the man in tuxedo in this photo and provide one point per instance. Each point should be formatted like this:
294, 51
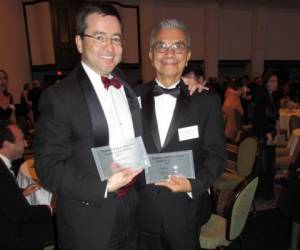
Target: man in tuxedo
171, 212
22, 226
91, 107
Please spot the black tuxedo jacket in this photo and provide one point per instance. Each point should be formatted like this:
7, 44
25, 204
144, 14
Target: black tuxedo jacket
19, 222
204, 111
71, 123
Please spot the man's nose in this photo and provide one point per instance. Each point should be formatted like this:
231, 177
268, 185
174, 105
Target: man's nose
109, 45
170, 51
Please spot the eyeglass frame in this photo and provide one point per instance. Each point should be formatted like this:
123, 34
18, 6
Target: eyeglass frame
171, 45
104, 38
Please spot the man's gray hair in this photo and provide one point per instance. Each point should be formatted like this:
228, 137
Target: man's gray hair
171, 24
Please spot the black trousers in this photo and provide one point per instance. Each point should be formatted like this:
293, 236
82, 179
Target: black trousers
124, 234
265, 168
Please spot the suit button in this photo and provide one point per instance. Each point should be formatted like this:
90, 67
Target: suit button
157, 191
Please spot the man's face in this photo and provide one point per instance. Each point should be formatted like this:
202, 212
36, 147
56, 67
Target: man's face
20, 143
170, 64
102, 57
272, 84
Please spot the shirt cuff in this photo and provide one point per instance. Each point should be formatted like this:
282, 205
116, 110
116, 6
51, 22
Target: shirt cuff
106, 192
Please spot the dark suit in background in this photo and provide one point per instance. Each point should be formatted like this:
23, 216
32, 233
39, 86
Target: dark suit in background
72, 121
177, 213
22, 226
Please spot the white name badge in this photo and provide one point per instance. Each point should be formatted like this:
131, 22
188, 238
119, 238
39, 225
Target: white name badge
188, 133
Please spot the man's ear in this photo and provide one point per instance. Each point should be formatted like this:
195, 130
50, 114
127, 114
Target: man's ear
189, 54
151, 55
7, 144
78, 41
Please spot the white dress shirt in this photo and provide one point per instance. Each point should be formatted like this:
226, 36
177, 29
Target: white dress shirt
164, 109
115, 107
7, 163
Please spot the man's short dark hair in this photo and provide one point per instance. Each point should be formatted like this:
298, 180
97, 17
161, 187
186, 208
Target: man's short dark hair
102, 8
5, 132
193, 68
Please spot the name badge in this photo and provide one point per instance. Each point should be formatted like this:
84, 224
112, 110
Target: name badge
188, 133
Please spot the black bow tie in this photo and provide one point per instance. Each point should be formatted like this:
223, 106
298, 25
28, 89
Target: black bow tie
160, 90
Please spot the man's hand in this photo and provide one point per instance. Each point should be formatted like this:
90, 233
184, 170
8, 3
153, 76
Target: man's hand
176, 184
121, 178
194, 84
30, 189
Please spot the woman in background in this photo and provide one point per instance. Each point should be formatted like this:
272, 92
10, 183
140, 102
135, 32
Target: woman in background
233, 111
266, 111
6, 100
266, 127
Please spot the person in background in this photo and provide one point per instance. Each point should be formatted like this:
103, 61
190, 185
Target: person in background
171, 212
25, 109
265, 128
34, 96
266, 110
195, 72
233, 111
246, 98
22, 226
6, 99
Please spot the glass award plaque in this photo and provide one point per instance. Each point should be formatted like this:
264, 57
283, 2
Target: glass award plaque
127, 154
163, 165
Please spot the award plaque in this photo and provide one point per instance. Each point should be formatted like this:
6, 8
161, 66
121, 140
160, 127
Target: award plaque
127, 154
163, 165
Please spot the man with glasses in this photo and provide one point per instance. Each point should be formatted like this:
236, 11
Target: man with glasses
171, 212
91, 107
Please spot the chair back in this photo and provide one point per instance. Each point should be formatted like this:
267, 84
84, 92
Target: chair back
295, 144
246, 156
238, 210
294, 122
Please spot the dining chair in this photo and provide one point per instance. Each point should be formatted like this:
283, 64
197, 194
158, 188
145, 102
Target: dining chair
221, 231
246, 155
294, 122
283, 162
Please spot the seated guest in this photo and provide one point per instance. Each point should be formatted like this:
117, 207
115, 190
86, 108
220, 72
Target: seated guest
6, 100
22, 226
233, 110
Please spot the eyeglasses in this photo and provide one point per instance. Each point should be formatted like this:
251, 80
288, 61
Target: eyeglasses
178, 48
101, 39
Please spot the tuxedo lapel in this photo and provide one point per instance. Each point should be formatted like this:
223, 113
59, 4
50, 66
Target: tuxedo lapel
182, 105
148, 108
7, 171
11, 183
98, 120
